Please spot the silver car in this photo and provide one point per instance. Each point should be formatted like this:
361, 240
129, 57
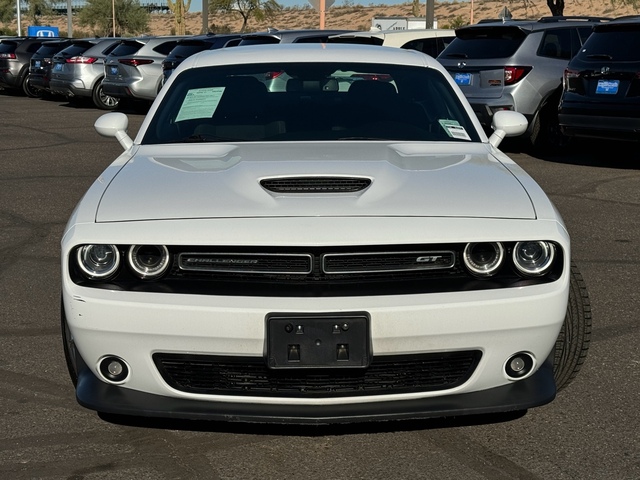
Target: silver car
78, 71
134, 69
517, 65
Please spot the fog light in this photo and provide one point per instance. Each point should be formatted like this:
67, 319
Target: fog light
114, 369
519, 365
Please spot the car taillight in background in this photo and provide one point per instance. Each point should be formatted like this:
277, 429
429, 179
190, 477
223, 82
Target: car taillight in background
133, 62
569, 80
513, 75
10, 56
81, 59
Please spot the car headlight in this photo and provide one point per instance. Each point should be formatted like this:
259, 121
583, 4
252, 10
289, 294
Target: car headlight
98, 261
533, 258
483, 259
148, 261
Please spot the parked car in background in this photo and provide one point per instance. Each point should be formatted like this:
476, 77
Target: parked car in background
429, 41
133, 70
41, 64
78, 71
272, 36
15, 55
189, 46
601, 96
518, 65
301, 257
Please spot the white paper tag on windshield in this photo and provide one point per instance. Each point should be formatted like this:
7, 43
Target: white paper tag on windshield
454, 129
200, 103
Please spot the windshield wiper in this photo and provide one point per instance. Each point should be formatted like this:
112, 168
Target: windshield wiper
457, 55
603, 56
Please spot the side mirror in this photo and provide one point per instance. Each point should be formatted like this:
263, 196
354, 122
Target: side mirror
114, 124
507, 123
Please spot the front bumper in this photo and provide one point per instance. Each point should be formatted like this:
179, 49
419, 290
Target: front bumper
135, 326
537, 390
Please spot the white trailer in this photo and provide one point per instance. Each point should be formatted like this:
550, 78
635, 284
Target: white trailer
400, 23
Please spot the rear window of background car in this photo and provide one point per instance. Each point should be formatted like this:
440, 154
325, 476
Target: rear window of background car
485, 42
619, 44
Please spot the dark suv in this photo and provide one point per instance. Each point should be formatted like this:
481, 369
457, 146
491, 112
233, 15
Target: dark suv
518, 65
601, 95
189, 46
15, 55
41, 61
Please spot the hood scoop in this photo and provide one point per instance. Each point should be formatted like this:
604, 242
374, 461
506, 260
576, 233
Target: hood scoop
314, 185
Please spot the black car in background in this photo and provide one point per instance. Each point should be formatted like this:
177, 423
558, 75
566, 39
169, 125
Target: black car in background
189, 46
15, 55
601, 85
41, 61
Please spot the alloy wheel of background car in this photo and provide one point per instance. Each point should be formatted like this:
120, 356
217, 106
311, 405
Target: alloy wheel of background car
69, 347
574, 338
28, 90
103, 101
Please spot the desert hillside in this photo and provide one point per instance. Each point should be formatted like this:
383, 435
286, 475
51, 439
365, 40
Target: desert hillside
359, 17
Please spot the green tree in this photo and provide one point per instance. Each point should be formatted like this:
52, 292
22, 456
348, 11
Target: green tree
7, 10
179, 10
258, 9
131, 18
38, 8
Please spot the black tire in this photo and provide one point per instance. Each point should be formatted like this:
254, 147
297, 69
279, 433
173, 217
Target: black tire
28, 90
573, 341
546, 136
69, 347
103, 101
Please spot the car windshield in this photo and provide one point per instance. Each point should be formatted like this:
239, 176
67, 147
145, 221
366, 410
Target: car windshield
309, 102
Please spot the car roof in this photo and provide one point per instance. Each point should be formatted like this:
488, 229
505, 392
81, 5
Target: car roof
392, 38
310, 53
543, 23
620, 22
292, 34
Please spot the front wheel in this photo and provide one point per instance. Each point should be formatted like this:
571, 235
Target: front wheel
573, 341
102, 100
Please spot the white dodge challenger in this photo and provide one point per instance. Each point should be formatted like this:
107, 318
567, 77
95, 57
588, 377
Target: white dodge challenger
317, 234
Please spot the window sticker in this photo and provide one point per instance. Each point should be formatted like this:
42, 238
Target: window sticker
200, 103
454, 129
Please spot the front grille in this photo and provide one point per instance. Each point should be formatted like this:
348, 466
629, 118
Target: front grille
311, 271
316, 184
249, 376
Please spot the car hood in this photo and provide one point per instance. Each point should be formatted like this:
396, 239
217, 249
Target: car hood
224, 181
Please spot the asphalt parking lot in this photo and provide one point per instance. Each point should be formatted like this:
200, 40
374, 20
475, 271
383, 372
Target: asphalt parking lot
50, 154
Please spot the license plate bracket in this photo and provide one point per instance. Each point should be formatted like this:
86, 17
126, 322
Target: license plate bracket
310, 341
